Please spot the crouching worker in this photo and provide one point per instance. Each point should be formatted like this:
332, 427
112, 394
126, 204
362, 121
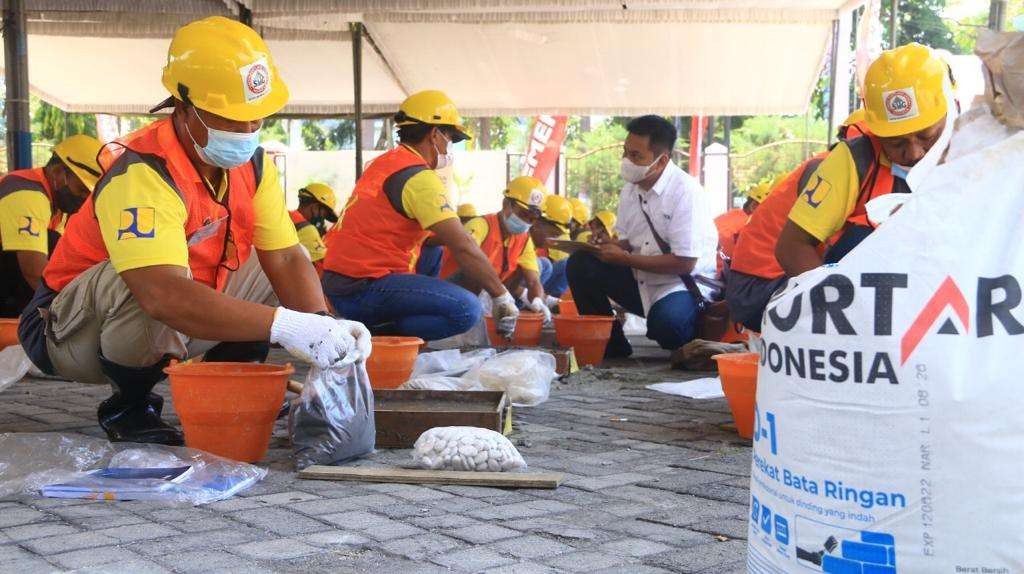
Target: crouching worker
372, 252
317, 203
906, 104
504, 238
665, 251
554, 222
34, 207
601, 228
185, 247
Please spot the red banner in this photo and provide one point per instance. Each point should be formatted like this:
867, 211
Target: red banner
546, 137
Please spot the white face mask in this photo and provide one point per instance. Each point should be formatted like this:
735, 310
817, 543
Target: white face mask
634, 173
444, 159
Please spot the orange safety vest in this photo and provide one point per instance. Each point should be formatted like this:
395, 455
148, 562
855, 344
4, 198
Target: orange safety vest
504, 258
212, 250
373, 239
755, 248
729, 225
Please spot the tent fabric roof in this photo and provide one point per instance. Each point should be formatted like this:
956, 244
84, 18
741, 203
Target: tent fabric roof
491, 56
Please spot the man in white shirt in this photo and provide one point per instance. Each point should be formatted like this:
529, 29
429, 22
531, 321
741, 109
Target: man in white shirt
641, 270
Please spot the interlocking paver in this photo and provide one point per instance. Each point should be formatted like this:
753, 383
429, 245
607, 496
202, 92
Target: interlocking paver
482, 533
646, 495
277, 549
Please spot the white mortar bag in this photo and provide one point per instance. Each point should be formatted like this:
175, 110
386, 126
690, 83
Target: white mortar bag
890, 417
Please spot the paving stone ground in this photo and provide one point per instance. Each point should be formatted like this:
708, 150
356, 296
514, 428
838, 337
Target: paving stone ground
654, 483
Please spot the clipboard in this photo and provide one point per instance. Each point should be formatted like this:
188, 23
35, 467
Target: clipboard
572, 246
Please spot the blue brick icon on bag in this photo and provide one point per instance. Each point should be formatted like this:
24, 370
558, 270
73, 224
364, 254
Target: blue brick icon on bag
854, 552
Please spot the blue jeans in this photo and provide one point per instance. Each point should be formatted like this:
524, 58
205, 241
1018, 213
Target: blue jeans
404, 304
558, 282
672, 319
429, 263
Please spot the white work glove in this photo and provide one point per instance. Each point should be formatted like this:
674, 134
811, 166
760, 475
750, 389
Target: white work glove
505, 314
361, 334
551, 301
538, 306
319, 339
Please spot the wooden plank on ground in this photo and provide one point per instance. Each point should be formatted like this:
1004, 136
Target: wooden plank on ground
419, 476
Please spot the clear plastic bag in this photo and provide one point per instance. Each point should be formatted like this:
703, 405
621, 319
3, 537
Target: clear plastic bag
525, 375
450, 363
466, 448
14, 365
331, 422
78, 466
440, 383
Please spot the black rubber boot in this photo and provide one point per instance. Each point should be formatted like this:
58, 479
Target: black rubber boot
238, 352
132, 413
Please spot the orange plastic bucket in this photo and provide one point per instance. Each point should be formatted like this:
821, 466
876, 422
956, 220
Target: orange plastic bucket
738, 372
392, 360
8, 333
527, 333
228, 409
587, 334
567, 308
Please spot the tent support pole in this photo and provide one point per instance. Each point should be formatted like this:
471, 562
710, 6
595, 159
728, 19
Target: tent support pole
357, 84
997, 15
894, 32
19, 131
832, 80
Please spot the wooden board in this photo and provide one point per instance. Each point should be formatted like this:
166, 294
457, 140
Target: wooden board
417, 476
402, 416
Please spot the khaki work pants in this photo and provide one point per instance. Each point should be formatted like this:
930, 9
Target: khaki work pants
96, 314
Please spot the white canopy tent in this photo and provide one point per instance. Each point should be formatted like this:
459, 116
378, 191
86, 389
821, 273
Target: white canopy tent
710, 57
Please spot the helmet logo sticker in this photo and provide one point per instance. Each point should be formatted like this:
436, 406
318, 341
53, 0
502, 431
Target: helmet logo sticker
536, 197
900, 104
255, 80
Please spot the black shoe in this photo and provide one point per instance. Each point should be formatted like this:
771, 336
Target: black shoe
132, 413
137, 421
618, 351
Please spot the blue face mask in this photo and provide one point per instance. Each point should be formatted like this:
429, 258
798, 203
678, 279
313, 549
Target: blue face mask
225, 149
515, 225
900, 171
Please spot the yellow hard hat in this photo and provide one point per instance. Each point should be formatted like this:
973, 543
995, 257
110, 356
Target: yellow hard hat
431, 107
855, 118
79, 155
322, 193
759, 192
467, 210
903, 91
557, 210
527, 191
607, 219
224, 67
580, 210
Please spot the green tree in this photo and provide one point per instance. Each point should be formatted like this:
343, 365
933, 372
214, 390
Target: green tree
274, 130
49, 122
919, 21
593, 164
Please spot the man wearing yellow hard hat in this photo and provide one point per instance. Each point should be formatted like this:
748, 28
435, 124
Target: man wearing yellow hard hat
556, 217
602, 227
578, 230
34, 207
398, 202
504, 238
186, 246
907, 96
316, 208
